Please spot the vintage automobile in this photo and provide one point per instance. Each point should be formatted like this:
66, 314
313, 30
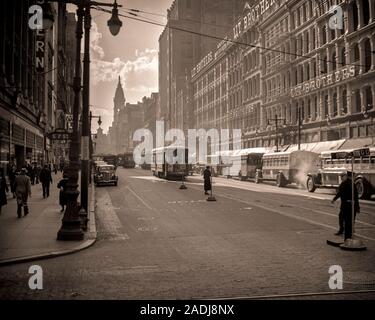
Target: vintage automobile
332, 163
105, 174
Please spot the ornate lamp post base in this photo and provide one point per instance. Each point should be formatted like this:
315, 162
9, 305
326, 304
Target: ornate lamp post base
71, 229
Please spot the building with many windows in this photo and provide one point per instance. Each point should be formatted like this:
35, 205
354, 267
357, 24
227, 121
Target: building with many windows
29, 74
286, 65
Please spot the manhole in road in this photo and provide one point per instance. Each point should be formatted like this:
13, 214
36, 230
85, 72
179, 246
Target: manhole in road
364, 278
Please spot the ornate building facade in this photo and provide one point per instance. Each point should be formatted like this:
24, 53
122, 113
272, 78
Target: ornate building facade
283, 66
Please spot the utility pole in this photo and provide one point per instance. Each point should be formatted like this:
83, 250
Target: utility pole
299, 127
276, 120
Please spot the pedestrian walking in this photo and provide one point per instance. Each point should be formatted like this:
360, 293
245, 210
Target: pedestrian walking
32, 174
345, 215
3, 189
62, 195
55, 168
38, 169
46, 179
12, 178
207, 180
23, 191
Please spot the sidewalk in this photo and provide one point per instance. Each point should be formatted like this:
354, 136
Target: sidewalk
34, 236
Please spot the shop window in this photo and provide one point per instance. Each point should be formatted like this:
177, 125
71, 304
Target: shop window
324, 35
354, 132
344, 101
366, 11
368, 55
342, 57
334, 102
362, 131
369, 100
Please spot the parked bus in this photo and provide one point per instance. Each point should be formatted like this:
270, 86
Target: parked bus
287, 167
128, 160
332, 163
248, 161
166, 168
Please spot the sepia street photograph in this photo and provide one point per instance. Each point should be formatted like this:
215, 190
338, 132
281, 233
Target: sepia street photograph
203, 151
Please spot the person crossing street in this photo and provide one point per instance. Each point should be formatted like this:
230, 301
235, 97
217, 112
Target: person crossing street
345, 215
207, 180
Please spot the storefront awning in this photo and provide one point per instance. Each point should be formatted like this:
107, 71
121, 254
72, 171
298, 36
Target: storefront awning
358, 143
318, 147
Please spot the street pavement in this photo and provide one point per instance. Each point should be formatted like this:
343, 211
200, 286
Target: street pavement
156, 241
34, 236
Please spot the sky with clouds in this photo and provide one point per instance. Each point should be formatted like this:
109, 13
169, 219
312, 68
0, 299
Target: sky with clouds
132, 54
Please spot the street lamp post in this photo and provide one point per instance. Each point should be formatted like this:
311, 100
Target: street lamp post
71, 223
114, 25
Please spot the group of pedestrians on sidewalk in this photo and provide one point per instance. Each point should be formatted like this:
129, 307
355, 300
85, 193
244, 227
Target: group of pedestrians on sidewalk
20, 186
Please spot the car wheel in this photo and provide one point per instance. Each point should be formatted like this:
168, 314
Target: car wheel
362, 188
310, 184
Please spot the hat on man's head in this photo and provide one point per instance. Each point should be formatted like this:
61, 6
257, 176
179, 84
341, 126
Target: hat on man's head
345, 173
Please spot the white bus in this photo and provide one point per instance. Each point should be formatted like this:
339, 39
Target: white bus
287, 167
163, 165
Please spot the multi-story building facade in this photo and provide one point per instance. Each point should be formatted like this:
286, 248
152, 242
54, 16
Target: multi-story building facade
284, 66
180, 50
28, 92
150, 107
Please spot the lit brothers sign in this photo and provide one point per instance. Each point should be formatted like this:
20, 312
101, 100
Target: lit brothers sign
324, 81
253, 15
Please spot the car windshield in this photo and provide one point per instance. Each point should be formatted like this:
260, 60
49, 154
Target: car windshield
106, 168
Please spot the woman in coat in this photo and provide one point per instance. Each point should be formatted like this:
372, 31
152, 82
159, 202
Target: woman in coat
207, 180
62, 195
3, 189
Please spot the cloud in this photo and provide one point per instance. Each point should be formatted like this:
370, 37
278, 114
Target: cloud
95, 36
138, 74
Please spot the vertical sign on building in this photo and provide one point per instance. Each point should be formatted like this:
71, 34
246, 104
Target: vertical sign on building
40, 50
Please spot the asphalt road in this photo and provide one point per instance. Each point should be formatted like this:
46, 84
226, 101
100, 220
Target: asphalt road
156, 241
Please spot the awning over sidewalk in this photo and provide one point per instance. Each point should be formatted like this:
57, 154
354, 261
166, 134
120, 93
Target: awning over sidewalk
358, 143
318, 147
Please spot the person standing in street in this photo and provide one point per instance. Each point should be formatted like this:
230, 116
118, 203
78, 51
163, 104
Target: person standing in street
46, 179
3, 189
62, 195
207, 180
345, 215
23, 191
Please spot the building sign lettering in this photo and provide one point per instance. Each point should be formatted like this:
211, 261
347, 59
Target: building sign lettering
204, 62
40, 48
323, 81
254, 15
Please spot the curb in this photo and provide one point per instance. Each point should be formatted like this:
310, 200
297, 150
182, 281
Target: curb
89, 235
